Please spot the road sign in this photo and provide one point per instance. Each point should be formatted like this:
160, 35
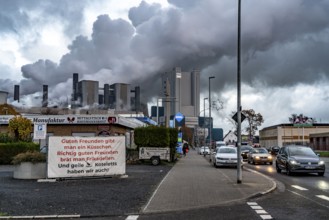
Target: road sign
179, 117
235, 117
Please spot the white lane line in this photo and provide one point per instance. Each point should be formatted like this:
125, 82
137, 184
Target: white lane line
259, 210
299, 187
323, 197
132, 217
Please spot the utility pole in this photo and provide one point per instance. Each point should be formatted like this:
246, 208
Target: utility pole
239, 171
210, 124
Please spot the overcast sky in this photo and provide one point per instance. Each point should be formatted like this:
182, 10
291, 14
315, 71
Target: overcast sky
285, 50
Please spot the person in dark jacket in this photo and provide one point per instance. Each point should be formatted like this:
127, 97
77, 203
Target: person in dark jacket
185, 149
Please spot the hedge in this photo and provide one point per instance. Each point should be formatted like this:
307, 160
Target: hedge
153, 136
9, 150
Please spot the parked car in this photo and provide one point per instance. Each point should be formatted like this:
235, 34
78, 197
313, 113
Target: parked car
299, 159
220, 143
259, 155
204, 150
245, 150
225, 156
274, 150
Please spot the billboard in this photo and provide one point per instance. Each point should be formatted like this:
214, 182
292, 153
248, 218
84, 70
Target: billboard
86, 156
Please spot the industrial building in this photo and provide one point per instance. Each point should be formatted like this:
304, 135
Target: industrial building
87, 93
3, 97
181, 93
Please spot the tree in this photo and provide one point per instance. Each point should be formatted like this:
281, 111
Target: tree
21, 127
7, 109
254, 121
187, 134
301, 119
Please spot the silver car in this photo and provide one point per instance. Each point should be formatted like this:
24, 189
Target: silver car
226, 156
204, 150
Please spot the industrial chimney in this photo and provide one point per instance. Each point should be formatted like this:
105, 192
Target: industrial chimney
16, 93
75, 86
45, 96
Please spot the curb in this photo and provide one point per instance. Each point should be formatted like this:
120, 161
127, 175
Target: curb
40, 217
264, 192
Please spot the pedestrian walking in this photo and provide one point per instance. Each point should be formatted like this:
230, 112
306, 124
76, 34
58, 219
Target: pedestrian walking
185, 149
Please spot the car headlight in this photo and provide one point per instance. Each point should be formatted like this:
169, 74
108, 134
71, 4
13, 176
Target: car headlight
293, 162
257, 157
269, 157
321, 162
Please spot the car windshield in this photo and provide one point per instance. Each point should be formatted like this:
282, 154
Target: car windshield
301, 151
246, 147
261, 151
226, 150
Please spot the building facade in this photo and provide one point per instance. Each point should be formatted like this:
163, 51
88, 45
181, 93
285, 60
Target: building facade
81, 125
120, 96
88, 92
284, 134
181, 92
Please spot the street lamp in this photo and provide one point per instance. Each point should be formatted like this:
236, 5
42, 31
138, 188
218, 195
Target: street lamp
210, 124
204, 120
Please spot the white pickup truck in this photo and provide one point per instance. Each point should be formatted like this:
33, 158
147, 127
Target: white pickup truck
155, 154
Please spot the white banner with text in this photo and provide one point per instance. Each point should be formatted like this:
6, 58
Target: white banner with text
86, 156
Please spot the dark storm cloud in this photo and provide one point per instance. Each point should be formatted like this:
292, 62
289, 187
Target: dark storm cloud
143, 12
17, 15
184, 3
283, 43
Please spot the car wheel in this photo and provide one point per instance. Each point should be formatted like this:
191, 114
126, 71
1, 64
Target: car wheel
248, 161
253, 162
321, 173
278, 170
155, 161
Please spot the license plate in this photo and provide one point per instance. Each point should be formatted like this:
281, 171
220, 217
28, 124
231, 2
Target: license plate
309, 168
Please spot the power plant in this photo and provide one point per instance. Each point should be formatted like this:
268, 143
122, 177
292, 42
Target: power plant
87, 93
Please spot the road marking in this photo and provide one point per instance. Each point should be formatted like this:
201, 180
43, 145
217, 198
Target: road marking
256, 207
323, 197
132, 217
299, 187
259, 210
266, 216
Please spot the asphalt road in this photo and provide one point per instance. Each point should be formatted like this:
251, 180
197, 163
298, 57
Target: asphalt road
115, 196
300, 196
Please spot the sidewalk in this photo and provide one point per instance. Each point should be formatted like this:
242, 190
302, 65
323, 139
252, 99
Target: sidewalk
194, 183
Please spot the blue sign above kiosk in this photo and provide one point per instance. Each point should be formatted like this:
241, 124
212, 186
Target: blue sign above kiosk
179, 119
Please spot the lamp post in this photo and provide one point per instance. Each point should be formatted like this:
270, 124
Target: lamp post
239, 173
210, 124
204, 120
